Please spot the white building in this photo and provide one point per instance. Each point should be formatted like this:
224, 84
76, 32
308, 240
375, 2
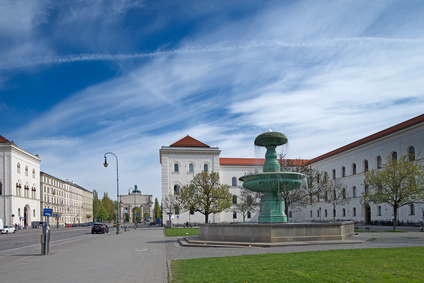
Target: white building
19, 185
70, 203
187, 157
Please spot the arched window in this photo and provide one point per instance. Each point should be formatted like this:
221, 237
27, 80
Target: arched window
176, 189
379, 162
234, 199
26, 170
18, 168
234, 181
325, 213
366, 190
176, 167
379, 210
234, 215
317, 212
334, 174
411, 153
394, 156
290, 214
343, 171
344, 212
412, 209
191, 168
353, 169
311, 213
354, 211
366, 166
354, 193
33, 173
206, 168
249, 215
344, 193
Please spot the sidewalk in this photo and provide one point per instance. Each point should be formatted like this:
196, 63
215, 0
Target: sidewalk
133, 256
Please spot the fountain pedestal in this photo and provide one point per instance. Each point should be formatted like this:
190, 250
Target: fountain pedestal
272, 209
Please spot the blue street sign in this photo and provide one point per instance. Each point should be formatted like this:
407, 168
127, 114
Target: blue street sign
48, 212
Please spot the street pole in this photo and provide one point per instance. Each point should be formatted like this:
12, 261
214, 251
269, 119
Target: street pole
117, 191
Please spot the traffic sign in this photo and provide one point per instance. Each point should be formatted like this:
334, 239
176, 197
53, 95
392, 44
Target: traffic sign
48, 212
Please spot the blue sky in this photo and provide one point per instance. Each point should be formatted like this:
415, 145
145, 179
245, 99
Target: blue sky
81, 78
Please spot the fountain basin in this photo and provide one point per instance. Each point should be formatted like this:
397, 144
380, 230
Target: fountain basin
277, 232
272, 182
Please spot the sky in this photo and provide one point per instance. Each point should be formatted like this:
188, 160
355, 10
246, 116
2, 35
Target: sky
82, 78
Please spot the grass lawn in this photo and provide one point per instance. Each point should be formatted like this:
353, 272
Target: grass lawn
358, 265
169, 232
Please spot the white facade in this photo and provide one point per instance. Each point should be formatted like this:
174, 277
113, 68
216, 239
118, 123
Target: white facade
187, 157
19, 185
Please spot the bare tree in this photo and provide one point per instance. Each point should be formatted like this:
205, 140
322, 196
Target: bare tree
169, 204
334, 193
247, 202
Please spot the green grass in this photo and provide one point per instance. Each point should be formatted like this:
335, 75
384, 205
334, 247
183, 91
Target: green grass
358, 265
170, 232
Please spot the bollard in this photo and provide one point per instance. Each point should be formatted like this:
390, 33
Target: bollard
45, 240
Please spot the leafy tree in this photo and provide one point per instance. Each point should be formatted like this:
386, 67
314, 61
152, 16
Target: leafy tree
205, 194
109, 206
103, 215
96, 204
157, 210
247, 201
399, 183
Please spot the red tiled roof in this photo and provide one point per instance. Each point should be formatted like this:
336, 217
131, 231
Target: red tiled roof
3, 139
388, 131
188, 142
258, 161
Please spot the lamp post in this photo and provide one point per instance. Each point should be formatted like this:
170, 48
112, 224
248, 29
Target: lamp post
118, 221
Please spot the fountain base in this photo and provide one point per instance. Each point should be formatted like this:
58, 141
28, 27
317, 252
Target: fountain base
272, 209
281, 232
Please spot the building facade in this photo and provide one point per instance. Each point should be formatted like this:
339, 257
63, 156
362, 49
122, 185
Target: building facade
71, 203
187, 157
19, 185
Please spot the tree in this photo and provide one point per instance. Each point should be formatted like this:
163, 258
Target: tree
334, 194
399, 183
96, 204
247, 201
109, 206
103, 215
156, 210
169, 204
205, 194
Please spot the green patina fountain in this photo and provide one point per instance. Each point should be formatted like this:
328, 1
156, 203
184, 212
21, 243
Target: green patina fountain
272, 182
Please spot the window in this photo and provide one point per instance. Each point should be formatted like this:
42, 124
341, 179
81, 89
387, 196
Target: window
334, 174
176, 189
366, 190
234, 181
290, 214
394, 156
206, 168
412, 209
353, 169
334, 212
33, 213
379, 210
311, 213
411, 153
354, 192
177, 210
176, 167
26, 170
325, 213
191, 211
317, 212
379, 162
191, 168
343, 171
234, 215
344, 193
18, 168
344, 212
366, 165
234, 199
1, 188
354, 211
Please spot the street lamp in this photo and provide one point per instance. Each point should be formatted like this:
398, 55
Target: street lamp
118, 221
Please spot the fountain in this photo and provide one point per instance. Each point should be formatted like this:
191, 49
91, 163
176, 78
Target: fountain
272, 182
272, 226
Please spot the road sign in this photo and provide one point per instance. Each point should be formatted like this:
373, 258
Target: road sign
48, 212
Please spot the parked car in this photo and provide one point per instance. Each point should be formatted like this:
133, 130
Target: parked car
99, 228
8, 229
68, 225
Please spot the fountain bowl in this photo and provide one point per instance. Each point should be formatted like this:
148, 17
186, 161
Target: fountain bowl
272, 181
